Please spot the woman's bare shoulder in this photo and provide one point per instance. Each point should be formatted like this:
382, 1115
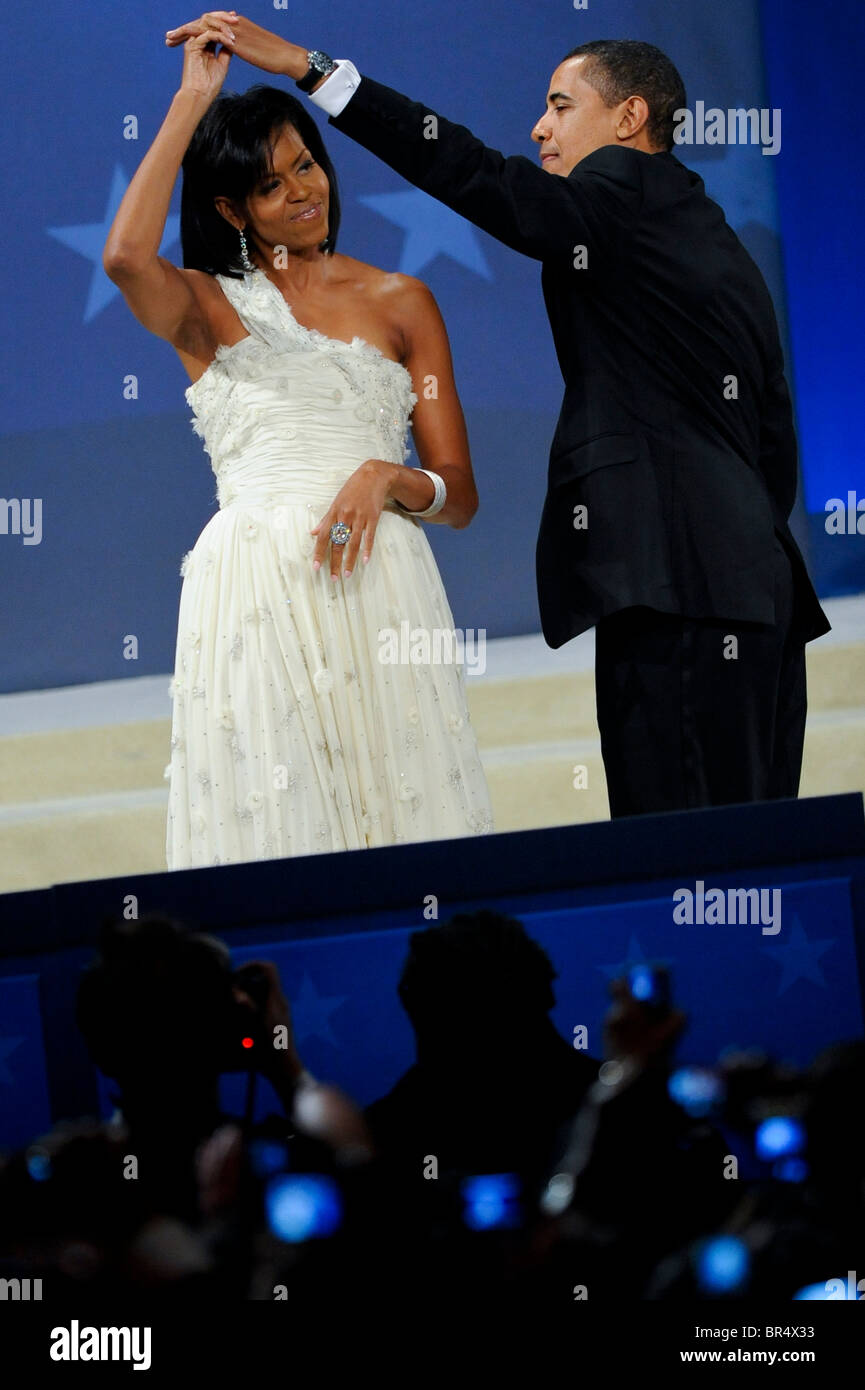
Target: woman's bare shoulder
386, 285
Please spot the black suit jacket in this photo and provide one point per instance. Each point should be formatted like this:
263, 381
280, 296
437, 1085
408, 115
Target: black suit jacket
676, 429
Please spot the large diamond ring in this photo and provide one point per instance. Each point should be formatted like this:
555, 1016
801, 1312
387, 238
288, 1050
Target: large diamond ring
339, 533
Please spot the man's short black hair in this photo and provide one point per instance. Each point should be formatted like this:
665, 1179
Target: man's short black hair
155, 997
622, 68
477, 966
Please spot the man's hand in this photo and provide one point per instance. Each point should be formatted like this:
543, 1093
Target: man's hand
326, 1113
282, 1063
634, 1033
251, 42
219, 1169
359, 504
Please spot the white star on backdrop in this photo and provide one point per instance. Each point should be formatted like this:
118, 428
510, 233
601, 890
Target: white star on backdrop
431, 230
88, 239
636, 956
311, 1011
799, 957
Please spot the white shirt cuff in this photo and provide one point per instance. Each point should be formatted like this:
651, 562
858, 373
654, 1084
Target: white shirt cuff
336, 90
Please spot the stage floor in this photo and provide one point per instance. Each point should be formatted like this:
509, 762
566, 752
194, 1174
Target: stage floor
82, 791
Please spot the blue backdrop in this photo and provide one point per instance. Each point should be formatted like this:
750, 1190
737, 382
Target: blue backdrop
597, 897
123, 483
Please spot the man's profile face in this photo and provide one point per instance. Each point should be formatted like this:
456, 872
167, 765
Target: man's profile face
576, 121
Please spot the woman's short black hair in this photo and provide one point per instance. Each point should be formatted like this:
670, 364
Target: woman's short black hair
228, 156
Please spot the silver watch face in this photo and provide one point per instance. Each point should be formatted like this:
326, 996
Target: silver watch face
320, 61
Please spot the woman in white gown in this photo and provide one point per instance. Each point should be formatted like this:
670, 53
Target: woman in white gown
293, 733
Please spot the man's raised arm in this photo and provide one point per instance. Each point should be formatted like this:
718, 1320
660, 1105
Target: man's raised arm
513, 199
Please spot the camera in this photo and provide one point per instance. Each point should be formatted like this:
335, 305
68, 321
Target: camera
650, 985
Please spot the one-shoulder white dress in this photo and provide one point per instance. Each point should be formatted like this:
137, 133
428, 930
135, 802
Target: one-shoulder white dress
291, 734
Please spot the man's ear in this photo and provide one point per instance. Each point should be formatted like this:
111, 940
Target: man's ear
633, 118
227, 209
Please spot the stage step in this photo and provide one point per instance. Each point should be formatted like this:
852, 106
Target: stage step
82, 791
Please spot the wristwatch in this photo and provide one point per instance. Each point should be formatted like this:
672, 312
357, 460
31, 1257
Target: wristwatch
320, 64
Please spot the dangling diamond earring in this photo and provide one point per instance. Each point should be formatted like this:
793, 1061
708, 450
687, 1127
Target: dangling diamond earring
244, 253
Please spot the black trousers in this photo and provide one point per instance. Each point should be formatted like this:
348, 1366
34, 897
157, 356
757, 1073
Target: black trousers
684, 722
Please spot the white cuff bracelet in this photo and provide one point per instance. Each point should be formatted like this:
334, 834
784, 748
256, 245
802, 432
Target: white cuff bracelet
439, 498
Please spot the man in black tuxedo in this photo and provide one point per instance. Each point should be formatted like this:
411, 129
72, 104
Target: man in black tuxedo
673, 469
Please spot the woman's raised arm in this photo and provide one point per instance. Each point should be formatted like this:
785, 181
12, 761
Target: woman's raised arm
160, 295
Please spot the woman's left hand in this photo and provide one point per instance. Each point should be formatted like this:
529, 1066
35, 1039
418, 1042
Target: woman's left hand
359, 504
253, 44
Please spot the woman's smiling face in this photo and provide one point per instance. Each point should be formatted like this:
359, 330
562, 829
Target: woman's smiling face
290, 206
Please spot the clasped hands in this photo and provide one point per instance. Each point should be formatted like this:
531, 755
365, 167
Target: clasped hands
245, 40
